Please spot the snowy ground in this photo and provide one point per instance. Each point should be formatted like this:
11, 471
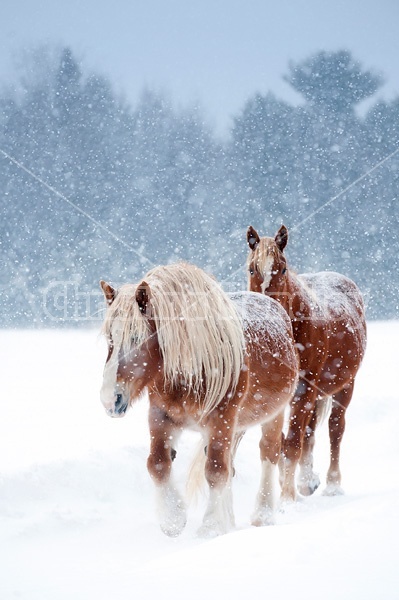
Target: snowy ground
77, 516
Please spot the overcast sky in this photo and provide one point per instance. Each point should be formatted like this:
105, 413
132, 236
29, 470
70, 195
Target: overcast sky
213, 52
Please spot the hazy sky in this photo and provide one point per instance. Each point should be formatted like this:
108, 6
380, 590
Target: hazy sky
215, 52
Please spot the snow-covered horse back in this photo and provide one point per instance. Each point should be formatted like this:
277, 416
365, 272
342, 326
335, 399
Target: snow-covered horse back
211, 362
327, 314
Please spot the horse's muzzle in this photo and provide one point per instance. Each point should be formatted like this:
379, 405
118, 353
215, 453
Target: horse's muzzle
120, 407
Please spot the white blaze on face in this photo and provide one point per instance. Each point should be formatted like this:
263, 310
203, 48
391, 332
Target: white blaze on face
107, 392
267, 272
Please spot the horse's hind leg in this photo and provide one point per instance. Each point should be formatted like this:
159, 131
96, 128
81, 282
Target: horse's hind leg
270, 449
171, 508
336, 425
308, 480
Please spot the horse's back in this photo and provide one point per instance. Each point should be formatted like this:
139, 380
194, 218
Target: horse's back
335, 295
337, 304
265, 324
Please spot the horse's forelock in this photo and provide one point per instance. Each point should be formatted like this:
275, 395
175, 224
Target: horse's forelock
263, 258
124, 320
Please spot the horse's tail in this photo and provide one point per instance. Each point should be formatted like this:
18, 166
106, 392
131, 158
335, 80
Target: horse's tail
196, 473
322, 409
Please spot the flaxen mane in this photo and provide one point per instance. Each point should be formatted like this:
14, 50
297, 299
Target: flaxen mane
199, 332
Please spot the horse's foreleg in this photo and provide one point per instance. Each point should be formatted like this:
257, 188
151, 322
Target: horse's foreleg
218, 518
336, 425
171, 508
270, 448
302, 408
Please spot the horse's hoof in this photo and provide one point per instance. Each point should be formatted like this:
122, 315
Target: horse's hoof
212, 528
288, 497
174, 520
173, 529
208, 531
285, 504
309, 488
333, 489
263, 518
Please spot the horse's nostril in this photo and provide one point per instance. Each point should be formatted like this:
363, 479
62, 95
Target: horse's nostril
120, 404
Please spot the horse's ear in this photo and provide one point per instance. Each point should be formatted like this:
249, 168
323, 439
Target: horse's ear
281, 238
143, 297
108, 292
252, 237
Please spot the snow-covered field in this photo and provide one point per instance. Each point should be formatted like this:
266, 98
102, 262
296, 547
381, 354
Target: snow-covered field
77, 514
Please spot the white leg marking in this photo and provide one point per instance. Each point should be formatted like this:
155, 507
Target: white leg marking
333, 487
219, 517
171, 510
309, 481
265, 501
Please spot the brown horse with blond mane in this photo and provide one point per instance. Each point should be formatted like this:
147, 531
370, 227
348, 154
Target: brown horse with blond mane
327, 314
212, 362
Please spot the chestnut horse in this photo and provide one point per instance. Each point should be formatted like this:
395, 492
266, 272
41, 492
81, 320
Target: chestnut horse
210, 362
327, 314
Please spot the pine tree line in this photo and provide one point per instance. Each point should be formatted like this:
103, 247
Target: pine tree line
160, 181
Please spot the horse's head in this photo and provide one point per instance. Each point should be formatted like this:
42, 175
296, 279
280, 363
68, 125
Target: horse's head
131, 346
266, 262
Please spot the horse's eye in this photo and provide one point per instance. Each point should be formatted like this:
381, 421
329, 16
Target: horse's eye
251, 271
283, 270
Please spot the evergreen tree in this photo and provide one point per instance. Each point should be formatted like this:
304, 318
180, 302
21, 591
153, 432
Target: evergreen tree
333, 81
48, 129
263, 154
333, 147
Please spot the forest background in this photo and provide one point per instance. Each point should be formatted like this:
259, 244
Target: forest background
94, 187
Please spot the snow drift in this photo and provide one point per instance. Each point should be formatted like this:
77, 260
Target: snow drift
77, 510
